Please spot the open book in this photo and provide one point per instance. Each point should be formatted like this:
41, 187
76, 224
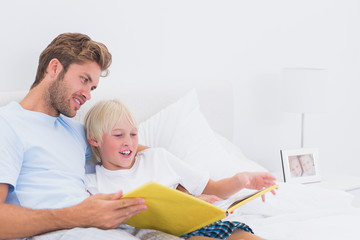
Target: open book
172, 211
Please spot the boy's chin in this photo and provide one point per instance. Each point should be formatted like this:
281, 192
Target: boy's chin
128, 163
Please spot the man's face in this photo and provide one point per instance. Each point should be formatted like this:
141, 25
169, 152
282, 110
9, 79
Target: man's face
68, 93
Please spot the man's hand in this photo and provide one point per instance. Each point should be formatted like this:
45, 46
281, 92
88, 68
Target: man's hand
106, 211
101, 210
141, 148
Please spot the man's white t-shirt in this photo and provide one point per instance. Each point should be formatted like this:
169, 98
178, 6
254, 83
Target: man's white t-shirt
151, 165
42, 158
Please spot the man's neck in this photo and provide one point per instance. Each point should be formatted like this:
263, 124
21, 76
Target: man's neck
36, 101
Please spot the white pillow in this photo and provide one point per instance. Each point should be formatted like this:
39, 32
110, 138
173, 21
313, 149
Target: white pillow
183, 130
237, 155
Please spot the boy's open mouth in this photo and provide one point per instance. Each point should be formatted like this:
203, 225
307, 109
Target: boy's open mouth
126, 153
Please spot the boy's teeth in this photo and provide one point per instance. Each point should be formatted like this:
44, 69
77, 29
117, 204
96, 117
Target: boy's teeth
125, 152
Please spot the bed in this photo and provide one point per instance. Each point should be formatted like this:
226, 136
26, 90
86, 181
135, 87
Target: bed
195, 122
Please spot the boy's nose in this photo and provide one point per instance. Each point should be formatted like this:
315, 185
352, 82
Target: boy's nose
127, 141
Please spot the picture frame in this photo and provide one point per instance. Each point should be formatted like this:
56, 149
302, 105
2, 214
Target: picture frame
300, 165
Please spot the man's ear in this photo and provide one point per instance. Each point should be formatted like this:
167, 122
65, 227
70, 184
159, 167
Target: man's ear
93, 142
54, 67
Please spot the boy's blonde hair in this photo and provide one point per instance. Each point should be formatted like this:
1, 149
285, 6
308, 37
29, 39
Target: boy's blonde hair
102, 118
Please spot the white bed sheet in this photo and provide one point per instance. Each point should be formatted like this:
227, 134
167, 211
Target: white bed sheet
299, 212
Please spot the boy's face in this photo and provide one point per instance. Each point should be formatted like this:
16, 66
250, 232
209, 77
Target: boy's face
118, 149
68, 94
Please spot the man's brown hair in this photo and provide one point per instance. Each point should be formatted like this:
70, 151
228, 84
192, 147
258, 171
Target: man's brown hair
71, 48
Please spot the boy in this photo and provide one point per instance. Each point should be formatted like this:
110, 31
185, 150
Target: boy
112, 133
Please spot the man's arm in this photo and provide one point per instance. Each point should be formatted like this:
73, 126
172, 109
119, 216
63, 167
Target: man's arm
140, 148
101, 210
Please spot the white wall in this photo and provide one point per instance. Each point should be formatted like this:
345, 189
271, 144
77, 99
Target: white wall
248, 42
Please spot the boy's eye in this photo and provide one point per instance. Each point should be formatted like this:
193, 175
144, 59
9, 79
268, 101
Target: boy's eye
133, 134
118, 135
84, 79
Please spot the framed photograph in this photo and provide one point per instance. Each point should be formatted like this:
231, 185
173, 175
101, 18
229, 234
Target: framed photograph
300, 165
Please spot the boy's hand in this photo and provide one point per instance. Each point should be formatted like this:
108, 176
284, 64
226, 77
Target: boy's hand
209, 198
259, 181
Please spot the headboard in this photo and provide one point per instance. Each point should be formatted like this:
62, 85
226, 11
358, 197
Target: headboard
216, 100
194, 143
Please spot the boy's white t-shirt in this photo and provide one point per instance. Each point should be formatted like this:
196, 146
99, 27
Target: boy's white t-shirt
151, 165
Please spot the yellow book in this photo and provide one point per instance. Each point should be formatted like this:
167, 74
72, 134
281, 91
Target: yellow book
172, 211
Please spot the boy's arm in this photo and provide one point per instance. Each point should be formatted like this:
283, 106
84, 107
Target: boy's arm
182, 189
228, 186
205, 197
101, 210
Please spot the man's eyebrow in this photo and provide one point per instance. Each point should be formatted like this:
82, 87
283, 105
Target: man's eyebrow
88, 77
90, 80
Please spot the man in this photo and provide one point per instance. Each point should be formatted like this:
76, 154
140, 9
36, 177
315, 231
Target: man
43, 152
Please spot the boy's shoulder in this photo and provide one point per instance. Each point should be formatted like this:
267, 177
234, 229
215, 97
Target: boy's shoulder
157, 155
153, 151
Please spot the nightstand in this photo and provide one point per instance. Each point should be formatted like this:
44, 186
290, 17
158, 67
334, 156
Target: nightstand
350, 184
339, 182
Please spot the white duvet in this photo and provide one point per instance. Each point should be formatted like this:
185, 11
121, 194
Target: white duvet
300, 212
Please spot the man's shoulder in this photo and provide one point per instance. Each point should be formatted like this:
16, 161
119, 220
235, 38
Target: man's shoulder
9, 111
11, 107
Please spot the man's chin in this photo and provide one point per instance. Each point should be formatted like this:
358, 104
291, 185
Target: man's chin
69, 114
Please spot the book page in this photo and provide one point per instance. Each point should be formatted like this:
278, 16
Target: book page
242, 197
227, 203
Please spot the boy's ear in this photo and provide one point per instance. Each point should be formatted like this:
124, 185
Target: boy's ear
93, 142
